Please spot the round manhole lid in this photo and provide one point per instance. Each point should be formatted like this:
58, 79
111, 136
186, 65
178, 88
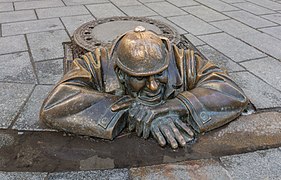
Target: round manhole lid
102, 32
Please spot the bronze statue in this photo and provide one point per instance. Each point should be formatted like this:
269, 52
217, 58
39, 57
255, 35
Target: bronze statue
146, 84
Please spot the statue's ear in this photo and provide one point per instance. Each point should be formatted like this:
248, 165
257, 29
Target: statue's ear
166, 42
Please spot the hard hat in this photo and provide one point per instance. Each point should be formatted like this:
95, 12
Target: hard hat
141, 53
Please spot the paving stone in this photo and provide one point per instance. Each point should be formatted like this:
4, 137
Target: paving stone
181, 3
49, 72
253, 8
264, 164
273, 17
250, 19
164, 20
205, 13
12, 44
273, 31
267, 69
196, 169
218, 5
78, 2
47, 45
104, 10
165, 9
29, 117
261, 94
6, 7
6, 140
115, 174
120, 3
12, 97
16, 68
194, 40
22, 175
73, 22
193, 25
231, 47
14, 16
31, 26
219, 59
267, 3
260, 40
61, 11
37, 4
139, 10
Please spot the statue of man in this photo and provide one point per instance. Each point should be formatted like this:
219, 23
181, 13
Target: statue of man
146, 84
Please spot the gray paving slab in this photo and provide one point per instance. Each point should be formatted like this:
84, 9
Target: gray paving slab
273, 31
273, 17
165, 9
47, 45
31, 26
205, 13
194, 40
79, 2
104, 10
219, 59
250, 19
14, 16
260, 93
218, 5
12, 44
6, 7
125, 2
49, 72
181, 3
22, 175
196, 169
16, 68
29, 117
37, 4
253, 8
61, 11
267, 69
267, 3
231, 47
114, 174
73, 22
139, 10
264, 164
12, 98
164, 20
260, 40
193, 25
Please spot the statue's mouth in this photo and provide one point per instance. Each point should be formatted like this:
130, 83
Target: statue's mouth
152, 97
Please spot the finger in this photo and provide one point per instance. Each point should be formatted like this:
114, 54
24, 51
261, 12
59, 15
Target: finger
169, 136
158, 136
146, 126
178, 135
147, 122
139, 122
131, 120
183, 127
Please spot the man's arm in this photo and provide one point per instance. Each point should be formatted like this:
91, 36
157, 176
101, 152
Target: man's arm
78, 103
211, 97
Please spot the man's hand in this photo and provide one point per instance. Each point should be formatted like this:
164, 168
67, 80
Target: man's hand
170, 129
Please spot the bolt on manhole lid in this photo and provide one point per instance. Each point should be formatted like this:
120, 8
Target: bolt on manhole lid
102, 32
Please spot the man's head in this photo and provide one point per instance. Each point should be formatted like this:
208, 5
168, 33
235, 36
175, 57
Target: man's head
142, 59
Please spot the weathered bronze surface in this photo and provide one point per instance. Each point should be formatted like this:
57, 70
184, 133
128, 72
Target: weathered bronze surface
148, 84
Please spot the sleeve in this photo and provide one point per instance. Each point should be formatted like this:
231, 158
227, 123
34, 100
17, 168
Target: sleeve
78, 103
209, 94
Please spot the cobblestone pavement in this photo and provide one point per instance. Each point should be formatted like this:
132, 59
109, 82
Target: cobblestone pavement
242, 36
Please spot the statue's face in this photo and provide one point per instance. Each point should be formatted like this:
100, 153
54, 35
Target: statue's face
148, 89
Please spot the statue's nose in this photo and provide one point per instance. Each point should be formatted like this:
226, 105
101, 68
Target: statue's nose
152, 84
